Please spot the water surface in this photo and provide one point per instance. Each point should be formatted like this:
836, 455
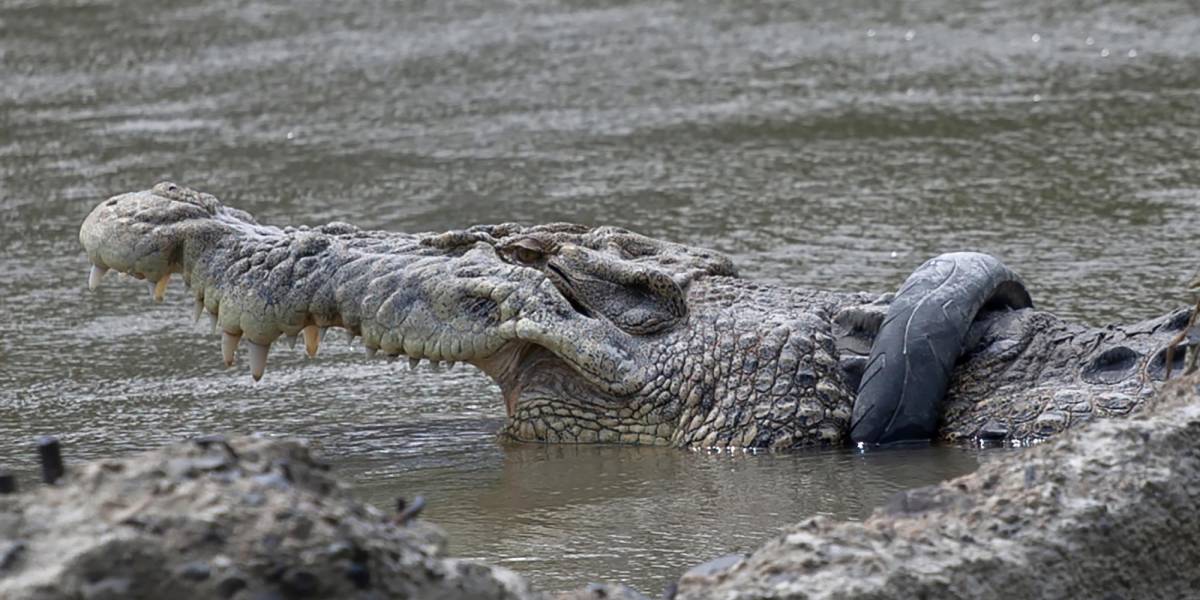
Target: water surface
827, 144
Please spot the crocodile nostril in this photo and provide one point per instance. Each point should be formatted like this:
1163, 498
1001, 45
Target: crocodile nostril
112, 202
1111, 366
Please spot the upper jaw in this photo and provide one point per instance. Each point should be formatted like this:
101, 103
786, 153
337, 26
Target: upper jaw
400, 295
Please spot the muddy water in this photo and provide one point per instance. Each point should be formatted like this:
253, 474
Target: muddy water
832, 144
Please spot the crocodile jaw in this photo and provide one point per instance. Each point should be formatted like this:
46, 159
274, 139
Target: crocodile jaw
141, 234
547, 402
401, 295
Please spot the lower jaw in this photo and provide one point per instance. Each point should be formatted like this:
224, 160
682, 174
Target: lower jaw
572, 431
548, 402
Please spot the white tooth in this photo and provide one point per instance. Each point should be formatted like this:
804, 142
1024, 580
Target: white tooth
312, 340
197, 310
258, 359
324, 330
370, 351
95, 276
160, 288
229, 344
413, 363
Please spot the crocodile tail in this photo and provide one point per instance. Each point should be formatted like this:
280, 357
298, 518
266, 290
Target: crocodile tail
921, 338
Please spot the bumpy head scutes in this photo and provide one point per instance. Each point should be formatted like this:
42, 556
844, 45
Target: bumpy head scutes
456, 296
143, 233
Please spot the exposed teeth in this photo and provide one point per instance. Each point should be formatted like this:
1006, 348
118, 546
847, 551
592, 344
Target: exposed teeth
258, 359
413, 363
312, 340
95, 276
160, 288
229, 344
291, 341
197, 310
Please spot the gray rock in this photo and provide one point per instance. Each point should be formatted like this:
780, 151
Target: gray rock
603, 591
715, 565
177, 523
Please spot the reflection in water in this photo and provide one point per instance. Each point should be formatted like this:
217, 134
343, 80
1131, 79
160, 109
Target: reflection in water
570, 515
820, 143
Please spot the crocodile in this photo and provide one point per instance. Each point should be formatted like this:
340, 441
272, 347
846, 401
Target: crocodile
603, 335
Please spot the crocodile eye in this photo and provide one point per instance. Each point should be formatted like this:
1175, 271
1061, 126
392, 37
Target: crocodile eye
527, 251
526, 255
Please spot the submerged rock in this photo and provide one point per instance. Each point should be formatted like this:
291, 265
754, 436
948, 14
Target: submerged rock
248, 518
1108, 510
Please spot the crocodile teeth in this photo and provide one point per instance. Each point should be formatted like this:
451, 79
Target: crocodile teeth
197, 310
312, 340
258, 358
95, 276
349, 337
159, 289
291, 341
413, 363
229, 344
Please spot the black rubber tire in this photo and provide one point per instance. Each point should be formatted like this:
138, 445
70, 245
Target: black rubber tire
904, 382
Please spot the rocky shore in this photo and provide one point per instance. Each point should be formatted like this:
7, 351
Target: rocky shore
248, 518
1108, 510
